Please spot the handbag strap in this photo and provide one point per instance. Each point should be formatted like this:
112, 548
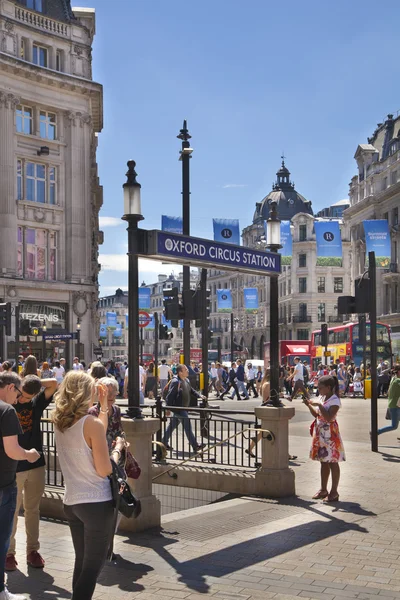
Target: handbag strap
115, 519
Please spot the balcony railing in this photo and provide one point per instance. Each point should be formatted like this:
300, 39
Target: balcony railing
301, 319
40, 21
282, 321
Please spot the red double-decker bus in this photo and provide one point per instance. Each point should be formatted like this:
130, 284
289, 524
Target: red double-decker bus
344, 345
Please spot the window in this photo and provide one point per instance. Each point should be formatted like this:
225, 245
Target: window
39, 55
303, 334
321, 312
35, 255
303, 310
321, 285
36, 182
338, 285
289, 286
302, 285
47, 125
34, 5
24, 119
59, 60
302, 233
302, 260
22, 50
395, 216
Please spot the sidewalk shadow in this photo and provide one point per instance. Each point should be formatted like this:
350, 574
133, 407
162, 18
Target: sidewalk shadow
241, 555
124, 574
21, 584
395, 458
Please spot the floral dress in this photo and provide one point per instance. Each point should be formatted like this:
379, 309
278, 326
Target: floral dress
114, 428
327, 445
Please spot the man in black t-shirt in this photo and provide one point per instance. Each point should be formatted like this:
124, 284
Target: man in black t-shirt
35, 398
10, 453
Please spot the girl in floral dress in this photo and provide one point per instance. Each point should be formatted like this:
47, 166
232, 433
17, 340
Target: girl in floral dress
327, 445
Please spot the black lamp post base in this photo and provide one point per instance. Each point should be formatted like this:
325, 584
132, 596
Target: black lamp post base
134, 412
274, 404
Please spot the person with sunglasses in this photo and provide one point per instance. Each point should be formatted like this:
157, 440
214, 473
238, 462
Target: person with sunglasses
10, 453
35, 396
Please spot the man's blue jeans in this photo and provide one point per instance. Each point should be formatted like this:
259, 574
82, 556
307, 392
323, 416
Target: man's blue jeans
180, 416
8, 501
395, 412
242, 388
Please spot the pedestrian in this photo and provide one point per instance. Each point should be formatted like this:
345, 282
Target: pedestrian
240, 376
45, 371
97, 370
58, 371
327, 445
164, 374
18, 365
151, 382
77, 365
35, 397
179, 393
383, 379
298, 379
113, 422
342, 379
393, 401
251, 380
231, 384
85, 463
6, 366
213, 378
30, 367
10, 453
259, 377
219, 383
142, 383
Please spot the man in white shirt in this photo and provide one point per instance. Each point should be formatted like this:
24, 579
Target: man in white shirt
298, 380
164, 374
142, 383
77, 366
214, 377
251, 378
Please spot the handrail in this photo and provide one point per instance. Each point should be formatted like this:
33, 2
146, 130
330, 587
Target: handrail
200, 452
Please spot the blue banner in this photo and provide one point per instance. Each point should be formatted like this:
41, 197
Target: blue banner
151, 324
377, 239
197, 251
227, 230
224, 301
286, 242
251, 300
126, 320
111, 320
118, 331
144, 298
103, 330
171, 224
329, 243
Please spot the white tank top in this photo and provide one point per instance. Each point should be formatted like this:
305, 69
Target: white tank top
83, 485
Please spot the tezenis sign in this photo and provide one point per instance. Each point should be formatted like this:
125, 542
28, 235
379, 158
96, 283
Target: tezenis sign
189, 250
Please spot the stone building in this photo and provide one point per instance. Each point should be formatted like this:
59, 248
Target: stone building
50, 114
375, 194
307, 293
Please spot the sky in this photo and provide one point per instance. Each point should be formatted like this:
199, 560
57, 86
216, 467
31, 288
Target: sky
254, 80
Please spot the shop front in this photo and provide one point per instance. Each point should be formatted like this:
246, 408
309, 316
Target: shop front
36, 321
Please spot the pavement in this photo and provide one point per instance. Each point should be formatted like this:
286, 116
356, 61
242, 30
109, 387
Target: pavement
255, 548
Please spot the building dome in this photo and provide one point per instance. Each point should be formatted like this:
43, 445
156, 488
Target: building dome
289, 201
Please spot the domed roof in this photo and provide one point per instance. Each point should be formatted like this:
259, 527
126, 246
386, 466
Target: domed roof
289, 201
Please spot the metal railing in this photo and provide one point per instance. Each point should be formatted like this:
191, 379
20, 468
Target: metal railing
301, 318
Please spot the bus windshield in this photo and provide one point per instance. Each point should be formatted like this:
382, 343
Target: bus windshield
382, 333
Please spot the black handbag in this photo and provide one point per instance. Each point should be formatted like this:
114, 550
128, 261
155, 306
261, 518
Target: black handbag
123, 499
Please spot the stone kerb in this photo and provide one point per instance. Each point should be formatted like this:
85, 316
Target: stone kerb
275, 478
139, 434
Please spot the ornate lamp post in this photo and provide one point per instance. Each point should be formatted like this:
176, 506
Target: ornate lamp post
133, 214
78, 337
273, 245
44, 329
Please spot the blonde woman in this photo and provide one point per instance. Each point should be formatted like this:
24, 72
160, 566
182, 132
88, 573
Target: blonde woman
85, 463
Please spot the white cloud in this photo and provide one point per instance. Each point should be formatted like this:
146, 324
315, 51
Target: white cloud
234, 185
110, 222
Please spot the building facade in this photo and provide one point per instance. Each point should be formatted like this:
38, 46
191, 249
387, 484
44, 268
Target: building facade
50, 114
307, 293
375, 194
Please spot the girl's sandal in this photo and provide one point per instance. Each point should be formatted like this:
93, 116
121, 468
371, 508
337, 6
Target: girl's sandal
320, 494
332, 498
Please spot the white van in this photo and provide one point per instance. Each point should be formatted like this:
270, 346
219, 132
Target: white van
255, 364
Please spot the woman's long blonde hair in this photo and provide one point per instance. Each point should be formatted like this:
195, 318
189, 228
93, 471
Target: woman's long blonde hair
73, 399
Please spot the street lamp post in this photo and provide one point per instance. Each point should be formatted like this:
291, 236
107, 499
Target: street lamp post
44, 329
273, 245
133, 214
78, 338
234, 322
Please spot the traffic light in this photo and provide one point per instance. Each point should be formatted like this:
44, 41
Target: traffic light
208, 303
362, 295
210, 335
362, 330
198, 306
346, 305
163, 333
5, 316
25, 327
324, 335
173, 309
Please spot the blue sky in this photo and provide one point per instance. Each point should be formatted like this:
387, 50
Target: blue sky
253, 79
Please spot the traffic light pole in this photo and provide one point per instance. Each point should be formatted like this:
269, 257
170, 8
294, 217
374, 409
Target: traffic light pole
232, 337
374, 375
204, 330
185, 158
156, 325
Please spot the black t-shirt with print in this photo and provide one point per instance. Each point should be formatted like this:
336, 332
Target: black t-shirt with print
29, 415
9, 425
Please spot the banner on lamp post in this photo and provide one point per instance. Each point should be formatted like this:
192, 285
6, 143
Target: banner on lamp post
329, 243
287, 243
144, 298
226, 230
224, 301
250, 300
377, 239
172, 224
103, 331
111, 320
118, 331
